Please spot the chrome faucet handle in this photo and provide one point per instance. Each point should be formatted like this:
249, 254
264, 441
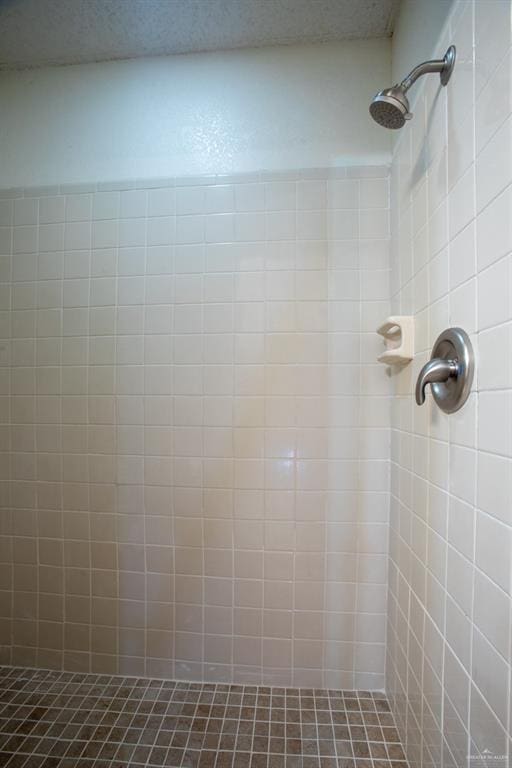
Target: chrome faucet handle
435, 370
449, 371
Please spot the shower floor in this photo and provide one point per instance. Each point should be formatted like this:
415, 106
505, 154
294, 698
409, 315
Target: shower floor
73, 720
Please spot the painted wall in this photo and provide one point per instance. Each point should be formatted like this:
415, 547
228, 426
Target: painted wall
449, 651
268, 108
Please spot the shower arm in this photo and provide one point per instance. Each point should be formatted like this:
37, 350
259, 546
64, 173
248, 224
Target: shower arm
443, 66
436, 65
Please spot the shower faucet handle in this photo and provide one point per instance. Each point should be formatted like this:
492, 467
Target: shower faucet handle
449, 371
436, 370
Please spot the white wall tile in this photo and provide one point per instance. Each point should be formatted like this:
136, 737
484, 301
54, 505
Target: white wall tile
462, 152
188, 362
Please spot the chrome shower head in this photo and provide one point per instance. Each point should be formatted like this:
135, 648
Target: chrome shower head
390, 107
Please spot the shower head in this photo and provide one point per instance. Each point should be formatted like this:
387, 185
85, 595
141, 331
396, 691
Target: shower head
390, 107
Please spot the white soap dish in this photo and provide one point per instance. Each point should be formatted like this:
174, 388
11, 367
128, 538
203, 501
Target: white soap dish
398, 334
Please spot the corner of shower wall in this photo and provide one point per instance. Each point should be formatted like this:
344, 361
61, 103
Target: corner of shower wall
195, 433
418, 152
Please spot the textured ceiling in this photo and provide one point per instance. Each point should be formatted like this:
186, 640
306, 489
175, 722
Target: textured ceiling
41, 32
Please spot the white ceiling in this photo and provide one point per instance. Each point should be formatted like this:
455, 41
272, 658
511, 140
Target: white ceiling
41, 32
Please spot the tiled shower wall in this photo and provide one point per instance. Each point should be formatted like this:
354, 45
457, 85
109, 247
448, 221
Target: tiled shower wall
194, 431
449, 651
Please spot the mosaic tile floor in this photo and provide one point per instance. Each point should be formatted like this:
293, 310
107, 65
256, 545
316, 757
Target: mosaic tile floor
66, 720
